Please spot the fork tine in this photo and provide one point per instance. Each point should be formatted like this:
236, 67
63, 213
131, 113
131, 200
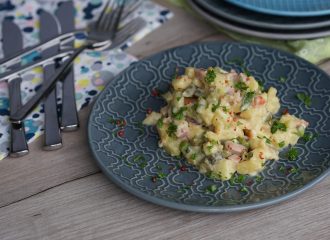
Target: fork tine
103, 14
113, 27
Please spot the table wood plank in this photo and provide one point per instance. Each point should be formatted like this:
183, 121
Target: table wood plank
94, 208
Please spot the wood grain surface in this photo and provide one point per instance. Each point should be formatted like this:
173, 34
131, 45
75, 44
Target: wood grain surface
63, 195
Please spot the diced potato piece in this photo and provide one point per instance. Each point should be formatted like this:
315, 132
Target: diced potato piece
291, 135
225, 127
195, 131
190, 72
273, 103
152, 119
167, 96
252, 84
254, 164
225, 168
181, 82
170, 144
211, 136
210, 148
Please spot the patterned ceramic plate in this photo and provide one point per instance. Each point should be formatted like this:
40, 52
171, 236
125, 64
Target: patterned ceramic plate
128, 152
302, 8
256, 19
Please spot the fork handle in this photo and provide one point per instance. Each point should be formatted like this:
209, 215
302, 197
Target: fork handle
46, 87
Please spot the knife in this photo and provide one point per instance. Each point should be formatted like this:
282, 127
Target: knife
69, 114
13, 42
48, 29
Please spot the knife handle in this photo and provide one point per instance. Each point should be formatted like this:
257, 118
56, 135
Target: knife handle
53, 139
46, 87
69, 116
18, 144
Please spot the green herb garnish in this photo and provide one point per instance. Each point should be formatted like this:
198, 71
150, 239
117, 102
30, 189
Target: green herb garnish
292, 154
294, 170
281, 144
211, 188
178, 99
282, 79
309, 136
305, 99
282, 169
161, 175
193, 156
210, 76
247, 99
261, 85
278, 126
160, 123
244, 189
171, 130
241, 86
180, 114
259, 178
184, 146
215, 106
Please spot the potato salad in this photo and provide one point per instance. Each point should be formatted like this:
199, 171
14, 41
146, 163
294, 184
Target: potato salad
223, 122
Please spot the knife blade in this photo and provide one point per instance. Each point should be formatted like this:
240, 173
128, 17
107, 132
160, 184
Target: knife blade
48, 29
12, 43
69, 114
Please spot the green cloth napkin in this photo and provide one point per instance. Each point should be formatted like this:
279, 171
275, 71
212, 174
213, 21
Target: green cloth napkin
314, 50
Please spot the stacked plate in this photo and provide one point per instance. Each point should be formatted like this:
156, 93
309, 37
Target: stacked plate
273, 19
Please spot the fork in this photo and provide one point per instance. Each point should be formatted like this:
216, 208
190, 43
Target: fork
100, 37
61, 39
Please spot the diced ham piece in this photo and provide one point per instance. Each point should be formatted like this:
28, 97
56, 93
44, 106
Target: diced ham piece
258, 101
189, 100
236, 158
183, 129
235, 148
303, 123
200, 74
243, 77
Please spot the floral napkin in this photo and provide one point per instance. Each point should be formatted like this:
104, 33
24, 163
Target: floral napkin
92, 69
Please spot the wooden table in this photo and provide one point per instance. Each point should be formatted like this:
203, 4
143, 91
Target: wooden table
62, 194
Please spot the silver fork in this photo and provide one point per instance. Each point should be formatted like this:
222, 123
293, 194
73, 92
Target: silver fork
100, 37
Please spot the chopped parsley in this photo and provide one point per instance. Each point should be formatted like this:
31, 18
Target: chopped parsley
211, 188
180, 114
292, 154
309, 136
293, 170
278, 126
241, 86
178, 99
244, 189
195, 106
247, 99
160, 123
261, 85
305, 99
267, 140
215, 106
282, 79
161, 175
184, 146
282, 169
281, 144
210, 76
171, 130
193, 156
259, 178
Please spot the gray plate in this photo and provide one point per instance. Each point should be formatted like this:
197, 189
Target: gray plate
259, 32
241, 15
128, 96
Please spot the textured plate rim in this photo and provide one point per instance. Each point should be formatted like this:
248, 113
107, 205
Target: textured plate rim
197, 208
279, 12
255, 23
234, 27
